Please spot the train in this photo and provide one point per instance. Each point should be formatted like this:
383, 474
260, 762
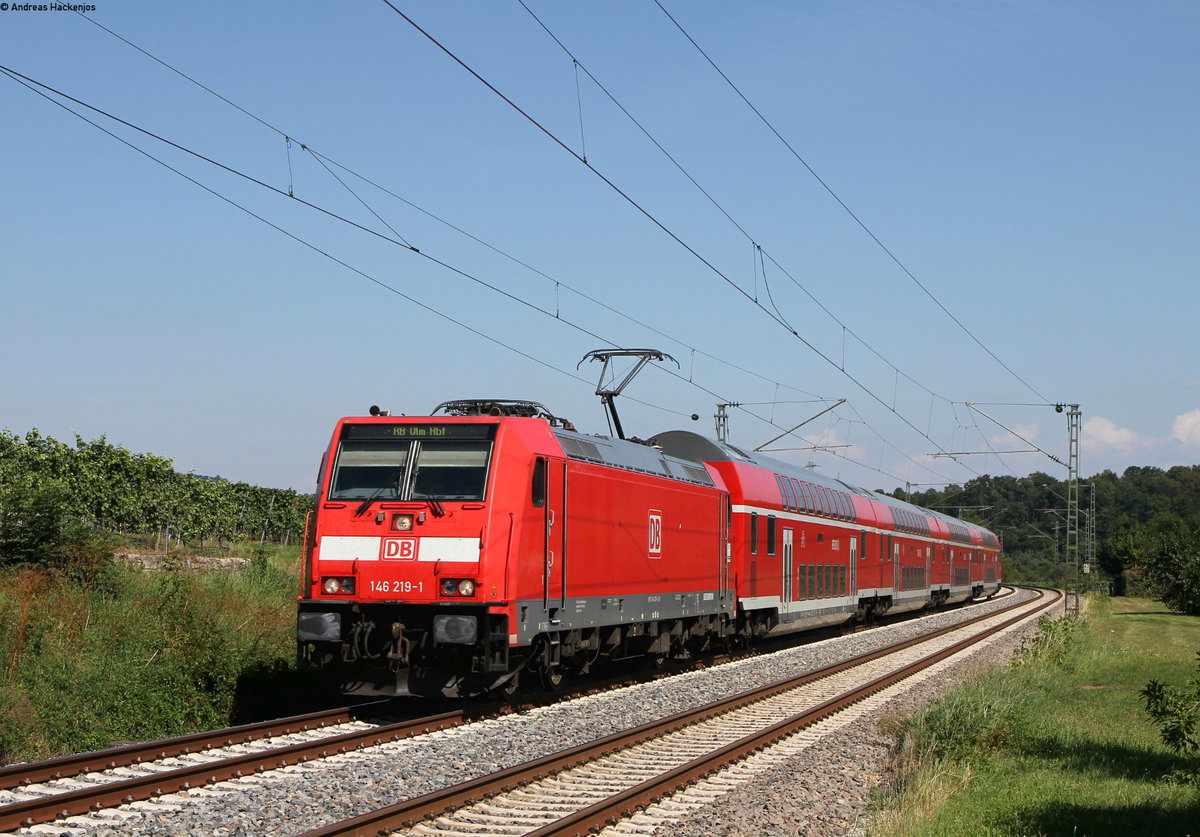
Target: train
491, 545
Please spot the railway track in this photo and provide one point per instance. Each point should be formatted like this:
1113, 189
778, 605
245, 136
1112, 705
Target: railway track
584, 789
55, 789
76, 785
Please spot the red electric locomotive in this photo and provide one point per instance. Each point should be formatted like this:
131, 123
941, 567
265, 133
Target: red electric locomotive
457, 553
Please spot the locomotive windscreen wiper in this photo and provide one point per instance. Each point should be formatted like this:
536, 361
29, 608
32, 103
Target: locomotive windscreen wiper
392, 481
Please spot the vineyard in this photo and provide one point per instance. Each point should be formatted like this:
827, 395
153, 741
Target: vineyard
51, 492
95, 651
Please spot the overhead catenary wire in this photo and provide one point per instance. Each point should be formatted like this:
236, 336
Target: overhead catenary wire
326, 163
653, 219
27, 83
844, 206
34, 86
760, 251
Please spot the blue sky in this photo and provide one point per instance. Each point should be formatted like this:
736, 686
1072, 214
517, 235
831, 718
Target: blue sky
1032, 165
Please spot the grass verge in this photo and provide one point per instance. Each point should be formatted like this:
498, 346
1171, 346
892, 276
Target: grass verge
1058, 744
126, 654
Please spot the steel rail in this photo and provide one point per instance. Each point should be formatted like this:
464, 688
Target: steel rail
621, 805
15, 775
60, 805
54, 806
406, 813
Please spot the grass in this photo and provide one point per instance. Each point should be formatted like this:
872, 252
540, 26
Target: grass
1058, 745
126, 654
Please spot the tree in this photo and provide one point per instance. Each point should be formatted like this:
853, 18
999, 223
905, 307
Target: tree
1168, 559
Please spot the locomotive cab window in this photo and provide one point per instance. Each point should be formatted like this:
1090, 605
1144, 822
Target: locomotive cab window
450, 471
390, 469
369, 469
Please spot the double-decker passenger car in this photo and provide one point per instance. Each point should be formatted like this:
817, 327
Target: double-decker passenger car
456, 553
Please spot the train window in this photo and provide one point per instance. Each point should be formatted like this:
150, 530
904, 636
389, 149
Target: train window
789, 491
451, 471
826, 501
785, 495
753, 533
369, 469
770, 534
806, 498
539, 482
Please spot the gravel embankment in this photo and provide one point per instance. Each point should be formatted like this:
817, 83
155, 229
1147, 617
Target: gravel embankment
822, 791
825, 791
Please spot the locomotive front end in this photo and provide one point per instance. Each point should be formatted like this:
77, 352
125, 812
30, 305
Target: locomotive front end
400, 593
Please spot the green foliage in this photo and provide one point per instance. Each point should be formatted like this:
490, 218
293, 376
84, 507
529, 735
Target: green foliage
37, 525
1170, 563
1176, 711
53, 497
1052, 645
1027, 513
136, 655
1072, 758
965, 723
1162, 559
93, 652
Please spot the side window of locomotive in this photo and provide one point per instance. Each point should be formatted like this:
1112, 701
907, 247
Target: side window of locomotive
753, 533
539, 482
770, 534
451, 471
369, 469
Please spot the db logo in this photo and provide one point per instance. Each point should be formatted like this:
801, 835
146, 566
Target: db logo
656, 533
399, 549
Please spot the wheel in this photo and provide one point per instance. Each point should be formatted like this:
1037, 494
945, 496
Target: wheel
508, 688
553, 678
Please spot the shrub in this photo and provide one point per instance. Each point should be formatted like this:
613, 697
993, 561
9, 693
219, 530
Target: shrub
965, 722
1052, 644
1176, 711
133, 655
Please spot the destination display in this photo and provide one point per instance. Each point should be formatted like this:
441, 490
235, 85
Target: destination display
377, 430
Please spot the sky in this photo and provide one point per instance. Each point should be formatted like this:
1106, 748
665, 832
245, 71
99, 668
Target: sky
952, 215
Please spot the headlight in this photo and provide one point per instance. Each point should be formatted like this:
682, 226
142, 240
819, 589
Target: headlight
333, 586
458, 587
402, 522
